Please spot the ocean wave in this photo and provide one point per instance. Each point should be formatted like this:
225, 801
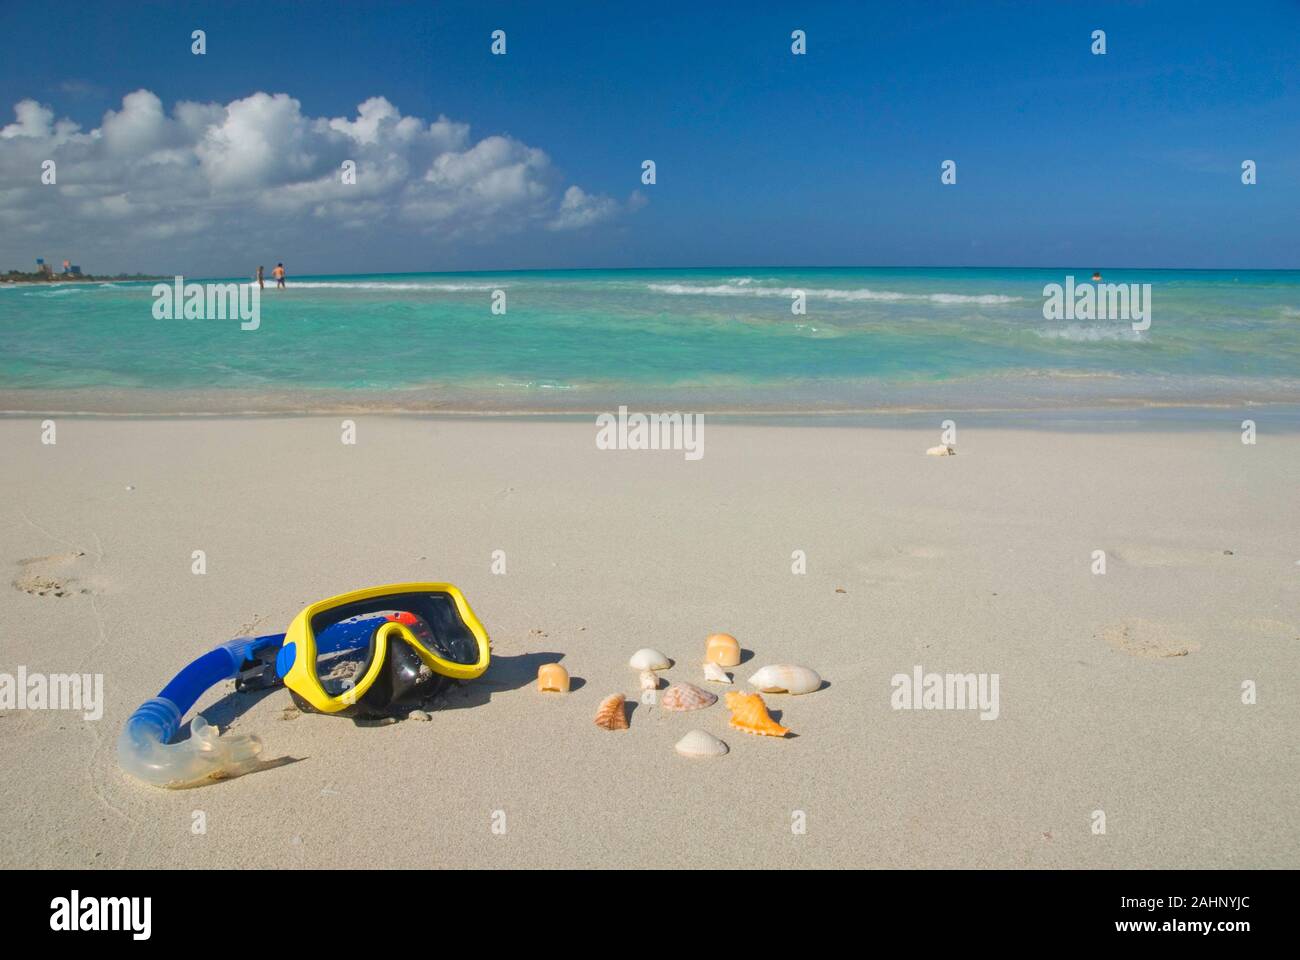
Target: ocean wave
378, 285
742, 288
1078, 333
60, 292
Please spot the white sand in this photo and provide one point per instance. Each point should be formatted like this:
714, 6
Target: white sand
974, 563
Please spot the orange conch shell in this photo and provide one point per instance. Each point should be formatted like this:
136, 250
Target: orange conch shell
611, 714
749, 713
722, 649
552, 677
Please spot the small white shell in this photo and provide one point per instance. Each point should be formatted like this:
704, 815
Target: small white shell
786, 678
714, 673
943, 450
700, 743
648, 659
649, 680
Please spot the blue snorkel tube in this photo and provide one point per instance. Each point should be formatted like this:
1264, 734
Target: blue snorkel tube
143, 749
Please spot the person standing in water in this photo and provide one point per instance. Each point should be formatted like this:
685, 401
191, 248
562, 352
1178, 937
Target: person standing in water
278, 273
261, 278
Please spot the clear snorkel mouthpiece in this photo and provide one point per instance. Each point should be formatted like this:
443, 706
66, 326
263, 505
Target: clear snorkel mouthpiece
143, 749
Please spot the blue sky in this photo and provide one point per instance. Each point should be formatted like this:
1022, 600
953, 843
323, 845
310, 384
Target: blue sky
764, 158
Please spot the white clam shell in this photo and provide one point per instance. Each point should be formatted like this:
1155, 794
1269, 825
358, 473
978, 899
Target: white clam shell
700, 743
648, 659
715, 674
786, 678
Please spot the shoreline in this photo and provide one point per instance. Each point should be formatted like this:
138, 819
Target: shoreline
1118, 415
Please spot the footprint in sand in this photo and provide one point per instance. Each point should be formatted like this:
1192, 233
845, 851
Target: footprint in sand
52, 576
1147, 638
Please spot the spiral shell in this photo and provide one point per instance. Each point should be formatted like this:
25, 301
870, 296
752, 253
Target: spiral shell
749, 713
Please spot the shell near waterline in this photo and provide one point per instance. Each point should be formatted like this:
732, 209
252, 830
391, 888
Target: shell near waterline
686, 696
786, 678
749, 713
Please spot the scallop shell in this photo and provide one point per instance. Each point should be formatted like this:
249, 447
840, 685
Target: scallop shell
722, 649
553, 678
648, 659
749, 713
700, 743
714, 673
649, 680
686, 696
611, 714
786, 678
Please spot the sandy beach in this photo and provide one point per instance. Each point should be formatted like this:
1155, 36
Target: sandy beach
1120, 693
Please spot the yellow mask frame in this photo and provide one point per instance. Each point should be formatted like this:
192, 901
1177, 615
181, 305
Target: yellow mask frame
296, 662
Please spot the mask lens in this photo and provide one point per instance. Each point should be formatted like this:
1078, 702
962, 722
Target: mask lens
343, 634
343, 652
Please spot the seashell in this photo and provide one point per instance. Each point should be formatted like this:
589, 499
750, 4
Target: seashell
552, 677
943, 450
749, 713
700, 743
786, 678
722, 649
611, 714
686, 696
648, 659
714, 673
649, 680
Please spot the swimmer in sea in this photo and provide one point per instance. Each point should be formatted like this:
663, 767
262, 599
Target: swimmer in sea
278, 273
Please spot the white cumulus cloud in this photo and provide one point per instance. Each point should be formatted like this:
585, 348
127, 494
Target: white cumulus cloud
209, 175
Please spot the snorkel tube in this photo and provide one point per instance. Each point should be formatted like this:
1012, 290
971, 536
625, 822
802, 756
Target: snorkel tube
143, 749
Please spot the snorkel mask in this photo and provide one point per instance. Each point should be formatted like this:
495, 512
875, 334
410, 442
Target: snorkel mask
358, 654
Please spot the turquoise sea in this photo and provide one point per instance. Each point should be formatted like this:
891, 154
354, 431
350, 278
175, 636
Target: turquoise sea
871, 339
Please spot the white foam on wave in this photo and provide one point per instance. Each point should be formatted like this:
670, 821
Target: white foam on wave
59, 292
1079, 333
742, 288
